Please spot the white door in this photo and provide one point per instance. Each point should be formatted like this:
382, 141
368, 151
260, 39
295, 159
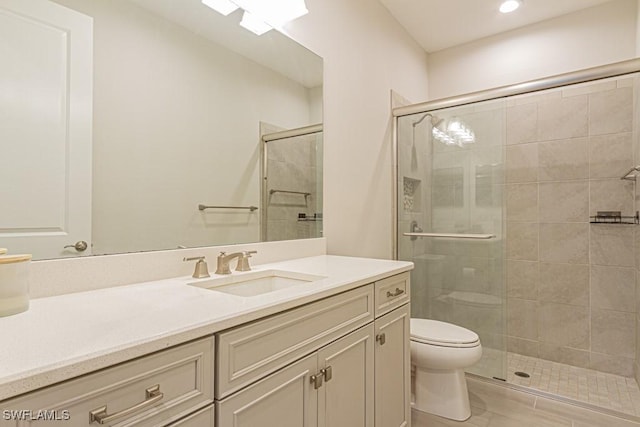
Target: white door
286, 398
45, 128
393, 369
347, 397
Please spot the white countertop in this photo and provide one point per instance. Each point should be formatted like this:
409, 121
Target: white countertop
69, 335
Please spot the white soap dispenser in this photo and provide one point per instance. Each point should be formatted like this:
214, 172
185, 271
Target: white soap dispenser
14, 284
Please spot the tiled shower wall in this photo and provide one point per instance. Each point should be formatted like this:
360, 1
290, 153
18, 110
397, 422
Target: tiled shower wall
294, 164
571, 285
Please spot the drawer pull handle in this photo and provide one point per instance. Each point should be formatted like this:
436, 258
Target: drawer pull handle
327, 373
396, 293
100, 415
381, 338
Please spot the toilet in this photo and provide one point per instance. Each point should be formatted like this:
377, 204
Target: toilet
440, 352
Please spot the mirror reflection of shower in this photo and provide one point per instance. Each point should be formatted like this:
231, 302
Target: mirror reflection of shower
292, 182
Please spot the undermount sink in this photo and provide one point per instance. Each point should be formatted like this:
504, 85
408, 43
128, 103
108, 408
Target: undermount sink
257, 282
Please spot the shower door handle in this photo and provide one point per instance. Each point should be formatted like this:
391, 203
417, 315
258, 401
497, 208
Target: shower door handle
452, 235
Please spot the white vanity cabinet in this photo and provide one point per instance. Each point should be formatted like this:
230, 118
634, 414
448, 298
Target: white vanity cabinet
339, 361
330, 363
156, 390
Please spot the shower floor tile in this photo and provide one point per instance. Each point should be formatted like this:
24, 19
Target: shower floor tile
607, 391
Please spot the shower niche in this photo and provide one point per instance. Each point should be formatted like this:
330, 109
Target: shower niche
412, 195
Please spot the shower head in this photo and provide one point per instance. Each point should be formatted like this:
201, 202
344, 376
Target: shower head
435, 121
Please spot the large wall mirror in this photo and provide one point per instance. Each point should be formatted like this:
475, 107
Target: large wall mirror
138, 125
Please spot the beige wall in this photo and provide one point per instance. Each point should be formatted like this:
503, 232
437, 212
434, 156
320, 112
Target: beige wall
366, 54
591, 37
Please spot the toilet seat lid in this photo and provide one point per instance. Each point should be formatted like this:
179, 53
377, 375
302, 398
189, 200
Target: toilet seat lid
442, 333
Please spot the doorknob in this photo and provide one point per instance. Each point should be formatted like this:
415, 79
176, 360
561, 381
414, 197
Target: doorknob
80, 246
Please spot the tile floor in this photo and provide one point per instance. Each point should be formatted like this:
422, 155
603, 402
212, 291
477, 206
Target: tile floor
608, 391
498, 406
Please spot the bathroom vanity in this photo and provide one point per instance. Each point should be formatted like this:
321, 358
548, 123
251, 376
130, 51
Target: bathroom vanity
331, 351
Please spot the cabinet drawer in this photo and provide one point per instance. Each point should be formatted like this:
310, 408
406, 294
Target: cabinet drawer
183, 376
250, 352
392, 292
203, 418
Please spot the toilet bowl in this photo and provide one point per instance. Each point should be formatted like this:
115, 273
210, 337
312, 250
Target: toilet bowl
440, 352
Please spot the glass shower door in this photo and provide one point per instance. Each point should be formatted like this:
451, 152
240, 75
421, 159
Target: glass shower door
450, 221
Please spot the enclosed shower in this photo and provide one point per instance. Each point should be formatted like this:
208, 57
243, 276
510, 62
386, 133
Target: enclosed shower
518, 208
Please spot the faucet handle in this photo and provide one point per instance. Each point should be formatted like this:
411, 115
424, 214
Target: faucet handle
243, 261
201, 271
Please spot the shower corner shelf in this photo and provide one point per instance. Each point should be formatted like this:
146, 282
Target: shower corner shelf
615, 217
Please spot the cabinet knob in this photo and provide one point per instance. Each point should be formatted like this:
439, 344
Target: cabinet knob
381, 338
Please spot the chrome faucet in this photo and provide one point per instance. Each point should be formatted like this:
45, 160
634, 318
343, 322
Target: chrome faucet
243, 261
201, 271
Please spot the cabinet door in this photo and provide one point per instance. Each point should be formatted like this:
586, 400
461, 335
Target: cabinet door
393, 369
346, 397
286, 398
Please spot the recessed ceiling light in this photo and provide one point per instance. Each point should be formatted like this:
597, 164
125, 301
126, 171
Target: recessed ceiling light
510, 6
224, 7
254, 24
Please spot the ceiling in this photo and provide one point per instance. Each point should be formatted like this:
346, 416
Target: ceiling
440, 24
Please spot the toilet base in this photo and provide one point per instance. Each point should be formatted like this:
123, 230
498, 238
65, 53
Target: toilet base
442, 392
